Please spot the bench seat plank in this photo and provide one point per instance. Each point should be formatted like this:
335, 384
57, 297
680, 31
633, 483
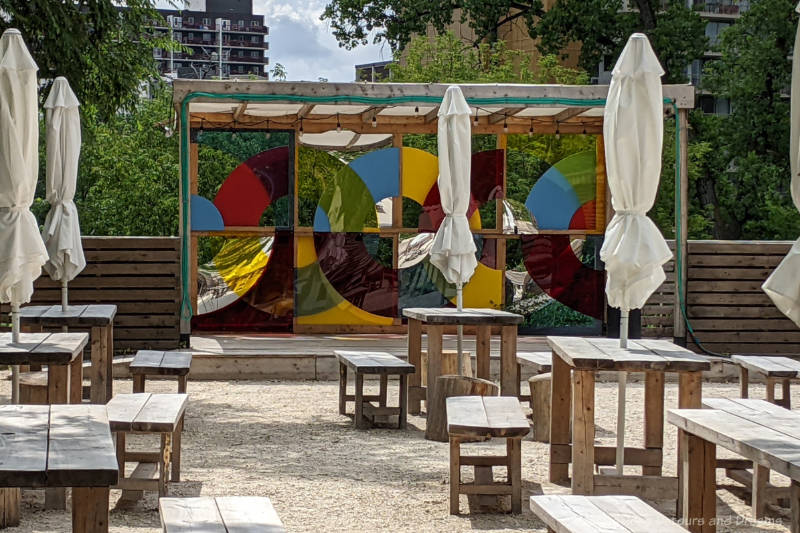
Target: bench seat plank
373, 362
495, 416
778, 367
189, 515
590, 514
42, 348
143, 411
146, 359
153, 362
23, 445
123, 409
466, 317
81, 452
249, 514
229, 514
541, 362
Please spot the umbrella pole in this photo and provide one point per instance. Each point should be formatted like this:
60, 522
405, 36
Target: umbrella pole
64, 296
460, 341
15, 339
622, 385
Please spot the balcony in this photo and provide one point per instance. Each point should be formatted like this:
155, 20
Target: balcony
725, 8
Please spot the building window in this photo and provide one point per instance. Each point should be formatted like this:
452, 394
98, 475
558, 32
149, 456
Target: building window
205, 22
190, 20
241, 23
254, 53
191, 36
254, 23
206, 36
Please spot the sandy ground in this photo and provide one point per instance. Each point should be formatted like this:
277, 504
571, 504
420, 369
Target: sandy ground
286, 440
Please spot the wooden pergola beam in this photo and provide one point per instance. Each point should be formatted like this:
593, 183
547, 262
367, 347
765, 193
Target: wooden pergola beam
568, 113
305, 110
432, 115
239, 111
504, 114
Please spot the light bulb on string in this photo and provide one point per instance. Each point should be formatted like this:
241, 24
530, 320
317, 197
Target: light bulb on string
505, 125
416, 109
338, 124
301, 128
476, 116
530, 130
374, 121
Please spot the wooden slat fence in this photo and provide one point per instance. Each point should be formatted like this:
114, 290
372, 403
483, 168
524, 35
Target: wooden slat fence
141, 275
726, 306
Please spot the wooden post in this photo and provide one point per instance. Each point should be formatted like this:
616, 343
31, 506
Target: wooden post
76, 380
100, 376
359, 399
342, 389
90, 509
403, 416
653, 417
509, 377
414, 357
176, 452
194, 172
434, 363
455, 473
397, 207
697, 497
560, 407
744, 382
9, 507
110, 361
681, 240
483, 345
758, 495
582, 432
514, 453
689, 397
794, 499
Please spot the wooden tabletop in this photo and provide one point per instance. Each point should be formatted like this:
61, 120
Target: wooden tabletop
42, 348
75, 316
151, 362
146, 412
466, 317
229, 514
591, 353
772, 367
374, 362
588, 514
492, 416
56, 446
756, 429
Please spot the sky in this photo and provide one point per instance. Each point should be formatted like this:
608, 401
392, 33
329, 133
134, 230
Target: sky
305, 45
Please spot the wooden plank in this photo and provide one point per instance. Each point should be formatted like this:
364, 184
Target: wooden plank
81, 452
634, 515
90, 509
467, 317
189, 515
539, 362
41, 348
23, 445
373, 362
583, 432
739, 247
161, 413
505, 416
124, 408
759, 412
146, 361
175, 363
564, 514
249, 514
560, 416
768, 366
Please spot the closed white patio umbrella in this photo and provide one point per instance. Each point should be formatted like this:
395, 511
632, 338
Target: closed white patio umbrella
22, 252
453, 250
634, 251
62, 232
783, 285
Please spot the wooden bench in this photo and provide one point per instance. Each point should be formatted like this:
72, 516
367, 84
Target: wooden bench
580, 514
383, 365
148, 413
154, 363
227, 514
471, 417
774, 369
766, 434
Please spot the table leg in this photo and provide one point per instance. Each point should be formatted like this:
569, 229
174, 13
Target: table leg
99, 340
110, 364
744, 382
176, 452
770, 390
9, 507
382, 391
794, 497
583, 432
164, 460
76, 380
90, 509
414, 357
58, 384
689, 397
138, 383
183, 381
698, 484
483, 348
455, 473
654, 418
509, 379
514, 455
786, 400
434, 363
758, 494
359, 400
342, 389
560, 408
403, 416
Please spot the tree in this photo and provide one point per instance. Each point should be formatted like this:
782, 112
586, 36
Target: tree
748, 177
677, 32
278, 72
101, 46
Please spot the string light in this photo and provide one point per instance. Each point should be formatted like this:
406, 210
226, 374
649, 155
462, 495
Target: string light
301, 127
338, 124
505, 124
558, 132
530, 131
476, 116
374, 121
416, 109
269, 134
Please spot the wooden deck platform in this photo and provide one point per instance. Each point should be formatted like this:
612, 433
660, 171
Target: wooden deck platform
271, 356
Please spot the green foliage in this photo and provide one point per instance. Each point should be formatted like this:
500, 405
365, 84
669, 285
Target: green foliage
103, 51
278, 72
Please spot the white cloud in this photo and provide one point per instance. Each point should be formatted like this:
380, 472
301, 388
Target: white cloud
304, 44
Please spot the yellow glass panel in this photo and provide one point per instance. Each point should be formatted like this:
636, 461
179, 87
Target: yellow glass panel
345, 313
484, 289
241, 262
420, 170
306, 251
475, 220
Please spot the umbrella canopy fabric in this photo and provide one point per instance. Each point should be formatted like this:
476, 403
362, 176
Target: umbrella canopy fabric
634, 250
453, 250
62, 232
782, 285
22, 252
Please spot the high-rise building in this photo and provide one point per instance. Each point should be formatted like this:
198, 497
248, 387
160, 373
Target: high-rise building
223, 35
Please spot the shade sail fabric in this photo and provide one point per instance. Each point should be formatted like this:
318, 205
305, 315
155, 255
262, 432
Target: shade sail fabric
62, 232
453, 250
783, 285
634, 249
22, 252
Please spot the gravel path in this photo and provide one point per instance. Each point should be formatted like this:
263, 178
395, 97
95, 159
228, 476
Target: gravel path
286, 440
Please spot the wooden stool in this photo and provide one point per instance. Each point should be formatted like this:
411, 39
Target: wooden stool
537, 362
382, 364
154, 414
219, 515
470, 417
577, 514
447, 387
153, 363
774, 369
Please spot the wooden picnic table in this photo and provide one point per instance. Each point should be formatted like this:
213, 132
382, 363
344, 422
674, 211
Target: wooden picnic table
575, 362
58, 446
59, 351
484, 319
774, 369
99, 319
767, 434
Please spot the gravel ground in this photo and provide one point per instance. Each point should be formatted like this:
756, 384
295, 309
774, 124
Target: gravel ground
286, 440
